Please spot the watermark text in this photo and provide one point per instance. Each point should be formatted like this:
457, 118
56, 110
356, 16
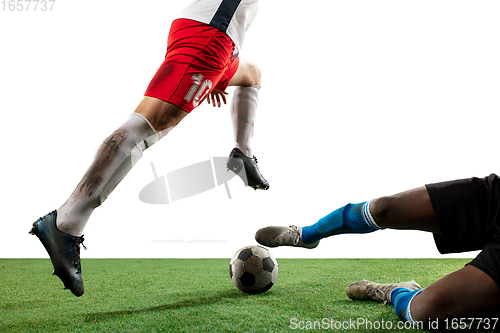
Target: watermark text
352, 324
27, 5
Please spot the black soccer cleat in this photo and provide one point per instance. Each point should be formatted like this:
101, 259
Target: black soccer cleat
246, 168
64, 252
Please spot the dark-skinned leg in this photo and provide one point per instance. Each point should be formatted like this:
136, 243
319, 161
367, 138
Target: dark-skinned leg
407, 210
464, 293
468, 292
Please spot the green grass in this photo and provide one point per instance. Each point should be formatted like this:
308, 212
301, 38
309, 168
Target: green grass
196, 295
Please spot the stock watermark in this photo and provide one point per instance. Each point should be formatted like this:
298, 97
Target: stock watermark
358, 324
467, 324
27, 5
364, 324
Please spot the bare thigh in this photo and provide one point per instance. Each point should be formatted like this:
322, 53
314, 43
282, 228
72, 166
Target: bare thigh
162, 115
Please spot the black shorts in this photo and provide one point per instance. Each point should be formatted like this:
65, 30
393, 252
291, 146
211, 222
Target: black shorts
468, 213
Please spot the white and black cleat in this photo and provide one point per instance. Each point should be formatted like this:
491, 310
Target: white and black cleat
247, 169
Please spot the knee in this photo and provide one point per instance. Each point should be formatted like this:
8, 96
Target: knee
428, 307
380, 208
254, 75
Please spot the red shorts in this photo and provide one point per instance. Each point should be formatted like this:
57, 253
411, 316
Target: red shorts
198, 60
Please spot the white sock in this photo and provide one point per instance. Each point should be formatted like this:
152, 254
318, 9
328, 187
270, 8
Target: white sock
243, 111
408, 315
113, 160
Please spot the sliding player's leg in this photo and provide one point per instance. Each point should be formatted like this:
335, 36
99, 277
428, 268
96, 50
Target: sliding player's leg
243, 108
468, 214
408, 210
466, 293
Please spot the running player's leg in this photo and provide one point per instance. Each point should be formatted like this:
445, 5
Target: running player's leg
243, 108
407, 210
60, 231
180, 84
169, 97
248, 74
247, 80
151, 121
163, 116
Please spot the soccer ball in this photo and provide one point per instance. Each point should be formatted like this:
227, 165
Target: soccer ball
253, 269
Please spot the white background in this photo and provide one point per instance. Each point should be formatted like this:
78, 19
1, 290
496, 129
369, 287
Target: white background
359, 99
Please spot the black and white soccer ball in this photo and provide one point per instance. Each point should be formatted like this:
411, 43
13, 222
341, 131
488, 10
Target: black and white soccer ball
253, 269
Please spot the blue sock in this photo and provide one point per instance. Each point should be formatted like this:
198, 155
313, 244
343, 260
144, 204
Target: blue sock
401, 298
352, 218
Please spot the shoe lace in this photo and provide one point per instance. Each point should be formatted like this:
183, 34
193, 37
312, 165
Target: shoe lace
380, 292
381, 295
79, 240
76, 252
292, 234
